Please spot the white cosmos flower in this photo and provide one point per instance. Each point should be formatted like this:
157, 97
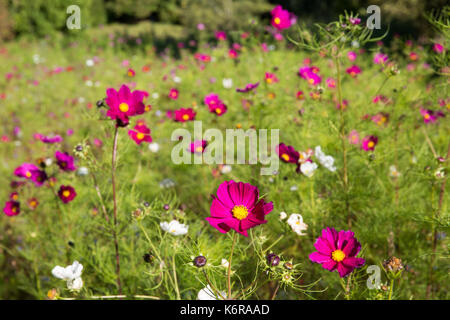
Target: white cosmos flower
308, 168
72, 274
89, 62
176, 79
296, 222
174, 227
224, 263
83, 171
155, 95
75, 284
154, 147
226, 168
326, 161
227, 83
283, 215
208, 294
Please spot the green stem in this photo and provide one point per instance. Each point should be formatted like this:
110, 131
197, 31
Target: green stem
229, 265
177, 290
391, 289
113, 181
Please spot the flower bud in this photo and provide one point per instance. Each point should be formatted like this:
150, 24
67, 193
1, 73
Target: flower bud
273, 260
199, 261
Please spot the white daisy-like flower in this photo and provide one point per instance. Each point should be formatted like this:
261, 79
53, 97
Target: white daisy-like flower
326, 161
83, 171
283, 215
89, 83
89, 62
155, 95
308, 168
71, 274
224, 263
48, 162
174, 227
208, 294
75, 284
227, 83
153, 147
296, 222
176, 79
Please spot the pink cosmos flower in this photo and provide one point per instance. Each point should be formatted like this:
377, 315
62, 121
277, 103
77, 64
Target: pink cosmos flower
140, 133
183, 115
413, 56
331, 83
438, 48
337, 250
381, 118
66, 193
237, 206
232, 53
31, 172
281, 19
12, 208
173, 94
380, 58
351, 55
353, 137
198, 146
124, 104
270, 78
131, 73
300, 95
355, 21
287, 153
64, 161
369, 143
221, 35
430, 116
353, 71
248, 87
49, 139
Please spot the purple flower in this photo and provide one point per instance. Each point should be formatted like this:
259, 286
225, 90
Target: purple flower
64, 161
248, 87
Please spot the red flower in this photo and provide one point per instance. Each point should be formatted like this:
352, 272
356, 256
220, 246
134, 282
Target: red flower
66, 193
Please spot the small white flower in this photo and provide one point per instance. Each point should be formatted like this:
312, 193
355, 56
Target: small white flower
36, 59
208, 294
393, 172
174, 227
83, 171
355, 44
176, 79
48, 162
224, 263
308, 168
226, 168
155, 95
293, 188
326, 161
439, 173
68, 273
227, 83
81, 100
283, 215
89, 83
89, 62
75, 284
154, 147
296, 222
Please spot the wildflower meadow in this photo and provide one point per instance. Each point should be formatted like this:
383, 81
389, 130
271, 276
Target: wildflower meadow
273, 160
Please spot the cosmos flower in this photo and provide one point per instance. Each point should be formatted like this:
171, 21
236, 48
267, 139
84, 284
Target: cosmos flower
413, 56
381, 118
173, 94
227, 83
351, 55
331, 83
31, 172
308, 168
430, 116
355, 20
380, 58
66, 193
369, 143
324, 160
353, 137
153, 147
64, 161
198, 146
237, 206
300, 95
12, 208
248, 87
208, 294
124, 104
295, 221
140, 133
270, 78
183, 115
438, 48
232, 53
393, 172
131, 73
337, 250
281, 19
49, 139
353, 71
71, 274
221, 35
33, 203
174, 227
287, 153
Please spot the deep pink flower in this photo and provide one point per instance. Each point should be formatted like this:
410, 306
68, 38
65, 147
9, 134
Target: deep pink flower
237, 206
413, 56
270, 78
380, 58
140, 133
64, 161
351, 55
12, 208
248, 87
353, 137
66, 193
281, 19
221, 35
124, 104
173, 94
198, 146
232, 53
131, 73
31, 172
369, 143
353, 71
49, 139
183, 115
430, 116
287, 153
438, 48
331, 83
355, 20
337, 250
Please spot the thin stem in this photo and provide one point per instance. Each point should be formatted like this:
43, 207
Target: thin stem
99, 195
212, 286
113, 181
175, 278
229, 265
275, 292
391, 289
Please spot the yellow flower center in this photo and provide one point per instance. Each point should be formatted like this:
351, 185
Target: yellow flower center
218, 110
338, 255
240, 212
66, 193
28, 174
15, 197
124, 107
269, 80
285, 157
185, 117
426, 116
277, 20
13, 209
370, 144
33, 203
311, 80
130, 74
140, 135
199, 149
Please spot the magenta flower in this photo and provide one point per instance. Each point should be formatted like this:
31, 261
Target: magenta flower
351, 55
237, 206
173, 94
430, 116
355, 21
353, 71
287, 153
248, 87
183, 115
369, 143
232, 53
380, 58
337, 250
313, 78
221, 35
124, 104
31, 172
270, 78
281, 19
66, 193
438, 48
198, 146
353, 137
331, 83
49, 139
140, 133
12, 208
64, 161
